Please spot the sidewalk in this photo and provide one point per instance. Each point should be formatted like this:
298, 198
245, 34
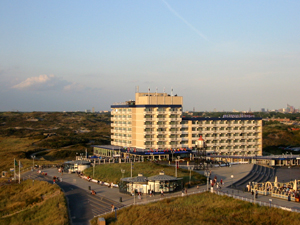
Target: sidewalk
280, 203
224, 173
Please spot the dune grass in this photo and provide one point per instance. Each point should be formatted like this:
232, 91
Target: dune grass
20, 149
32, 203
112, 172
11, 148
203, 208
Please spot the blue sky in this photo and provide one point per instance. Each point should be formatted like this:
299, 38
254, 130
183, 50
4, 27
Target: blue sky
75, 55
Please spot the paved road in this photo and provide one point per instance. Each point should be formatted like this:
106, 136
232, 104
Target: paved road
83, 206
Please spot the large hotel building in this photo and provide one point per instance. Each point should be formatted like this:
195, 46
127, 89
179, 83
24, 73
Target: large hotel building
155, 121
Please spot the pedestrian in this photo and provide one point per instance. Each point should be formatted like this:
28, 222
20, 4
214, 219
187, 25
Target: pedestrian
197, 186
186, 191
182, 194
161, 193
112, 207
150, 193
221, 181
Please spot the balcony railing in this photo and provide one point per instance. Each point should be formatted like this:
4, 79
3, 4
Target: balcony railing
149, 119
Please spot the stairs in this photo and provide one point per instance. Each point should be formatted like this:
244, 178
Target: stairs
258, 174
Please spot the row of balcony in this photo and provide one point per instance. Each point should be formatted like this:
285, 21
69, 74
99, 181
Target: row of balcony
120, 137
224, 124
163, 139
121, 119
228, 130
224, 131
167, 119
228, 138
121, 125
162, 126
162, 112
154, 146
239, 149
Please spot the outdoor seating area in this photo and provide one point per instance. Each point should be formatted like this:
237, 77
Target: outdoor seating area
289, 191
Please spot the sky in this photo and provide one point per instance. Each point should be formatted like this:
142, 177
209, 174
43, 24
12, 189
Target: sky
219, 55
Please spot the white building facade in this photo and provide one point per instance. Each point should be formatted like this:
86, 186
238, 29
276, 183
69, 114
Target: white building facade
154, 121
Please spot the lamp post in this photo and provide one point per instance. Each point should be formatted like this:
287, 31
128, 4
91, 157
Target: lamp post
131, 168
33, 156
190, 169
175, 167
200, 145
94, 169
207, 174
81, 154
122, 171
176, 161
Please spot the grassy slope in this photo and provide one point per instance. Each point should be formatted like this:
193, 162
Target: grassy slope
112, 172
204, 208
17, 136
11, 148
25, 203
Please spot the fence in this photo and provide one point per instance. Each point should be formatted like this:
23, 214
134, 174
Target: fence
156, 200
254, 201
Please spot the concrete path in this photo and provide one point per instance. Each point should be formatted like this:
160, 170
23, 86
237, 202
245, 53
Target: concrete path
83, 206
229, 175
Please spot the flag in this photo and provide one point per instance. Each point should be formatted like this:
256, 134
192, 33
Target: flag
15, 163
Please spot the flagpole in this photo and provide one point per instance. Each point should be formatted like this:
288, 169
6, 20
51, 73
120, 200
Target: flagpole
14, 169
19, 172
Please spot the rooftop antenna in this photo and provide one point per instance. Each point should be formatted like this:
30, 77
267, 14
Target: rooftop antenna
172, 96
156, 97
137, 89
164, 95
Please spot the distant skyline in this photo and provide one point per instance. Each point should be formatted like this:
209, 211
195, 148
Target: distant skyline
75, 55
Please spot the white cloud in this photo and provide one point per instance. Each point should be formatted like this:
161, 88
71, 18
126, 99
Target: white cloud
42, 83
74, 87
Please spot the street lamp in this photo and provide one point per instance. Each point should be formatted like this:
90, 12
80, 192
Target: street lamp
207, 174
33, 156
81, 154
200, 145
94, 168
176, 165
122, 171
190, 169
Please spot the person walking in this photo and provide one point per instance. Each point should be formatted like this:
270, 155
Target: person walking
162, 193
112, 208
